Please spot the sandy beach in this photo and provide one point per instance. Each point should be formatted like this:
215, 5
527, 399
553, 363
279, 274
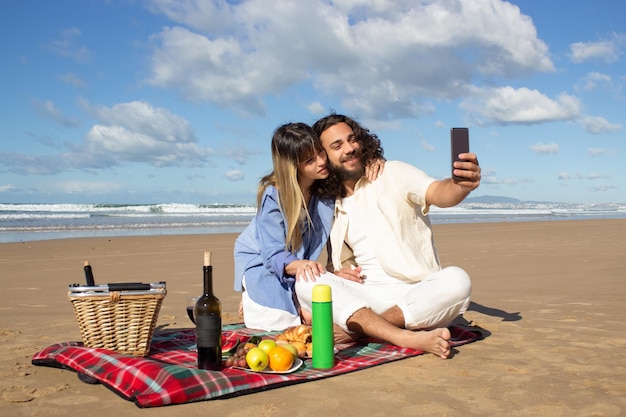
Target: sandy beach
550, 295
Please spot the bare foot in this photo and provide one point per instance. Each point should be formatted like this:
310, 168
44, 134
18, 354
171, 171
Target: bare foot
436, 341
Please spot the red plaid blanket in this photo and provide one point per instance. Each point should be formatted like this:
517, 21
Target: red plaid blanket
169, 375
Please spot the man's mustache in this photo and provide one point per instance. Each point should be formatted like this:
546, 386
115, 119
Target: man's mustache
349, 156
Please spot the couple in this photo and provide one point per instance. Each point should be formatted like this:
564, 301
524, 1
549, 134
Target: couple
327, 186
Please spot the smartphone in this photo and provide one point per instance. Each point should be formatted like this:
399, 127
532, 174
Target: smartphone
459, 143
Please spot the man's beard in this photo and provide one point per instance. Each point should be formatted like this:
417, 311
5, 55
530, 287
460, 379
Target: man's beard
348, 175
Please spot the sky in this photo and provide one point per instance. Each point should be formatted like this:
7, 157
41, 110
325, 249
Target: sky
157, 101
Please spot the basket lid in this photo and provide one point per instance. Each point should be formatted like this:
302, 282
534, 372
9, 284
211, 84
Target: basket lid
136, 288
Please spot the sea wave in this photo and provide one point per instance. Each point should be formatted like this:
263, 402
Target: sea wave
25, 222
41, 210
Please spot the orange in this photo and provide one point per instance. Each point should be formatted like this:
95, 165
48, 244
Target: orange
281, 359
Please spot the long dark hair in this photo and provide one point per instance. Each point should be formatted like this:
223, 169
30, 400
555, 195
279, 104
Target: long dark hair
291, 144
332, 186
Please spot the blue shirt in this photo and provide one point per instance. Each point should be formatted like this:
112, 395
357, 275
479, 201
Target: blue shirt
261, 252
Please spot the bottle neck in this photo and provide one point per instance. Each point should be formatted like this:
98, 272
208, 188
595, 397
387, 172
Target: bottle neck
208, 279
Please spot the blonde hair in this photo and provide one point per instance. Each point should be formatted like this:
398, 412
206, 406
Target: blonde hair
291, 144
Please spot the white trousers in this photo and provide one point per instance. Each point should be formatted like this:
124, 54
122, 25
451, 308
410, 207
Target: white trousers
432, 302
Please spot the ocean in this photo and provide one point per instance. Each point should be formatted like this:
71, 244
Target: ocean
29, 222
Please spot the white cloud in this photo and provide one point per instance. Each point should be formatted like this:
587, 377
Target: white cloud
522, 105
602, 188
133, 132
49, 109
600, 152
489, 177
72, 79
583, 51
597, 124
86, 187
593, 80
25, 164
427, 146
209, 16
239, 154
316, 108
138, 132
545, 148
6, 188
381, 58
594, 176
143, 118
566, 176
112, 145
598, 176
234, 175
67, 45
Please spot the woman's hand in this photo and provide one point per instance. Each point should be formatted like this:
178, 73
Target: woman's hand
374, 168
305, 270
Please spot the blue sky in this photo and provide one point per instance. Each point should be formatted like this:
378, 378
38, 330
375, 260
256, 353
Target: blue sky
148, 101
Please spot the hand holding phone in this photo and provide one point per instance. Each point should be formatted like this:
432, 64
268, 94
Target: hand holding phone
459, 143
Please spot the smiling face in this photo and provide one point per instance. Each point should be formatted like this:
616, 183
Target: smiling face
343, 151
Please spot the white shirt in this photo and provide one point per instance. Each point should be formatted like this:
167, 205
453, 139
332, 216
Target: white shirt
372, 271
395, 220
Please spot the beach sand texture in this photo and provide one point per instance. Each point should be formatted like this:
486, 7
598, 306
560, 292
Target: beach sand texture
551, 295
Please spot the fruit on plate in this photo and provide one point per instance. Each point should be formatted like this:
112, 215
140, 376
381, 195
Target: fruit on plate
291, 348
280, 358
229, 346
301, 348
237, 355
257, 359
249, 345
266, 345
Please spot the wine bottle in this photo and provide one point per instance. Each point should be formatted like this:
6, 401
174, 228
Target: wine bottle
208, 313
88, 274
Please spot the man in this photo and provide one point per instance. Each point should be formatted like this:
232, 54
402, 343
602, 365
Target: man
388, 282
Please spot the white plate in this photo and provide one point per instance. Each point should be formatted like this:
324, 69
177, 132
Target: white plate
294, 367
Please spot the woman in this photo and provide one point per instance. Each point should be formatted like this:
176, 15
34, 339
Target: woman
290, 229
288, 233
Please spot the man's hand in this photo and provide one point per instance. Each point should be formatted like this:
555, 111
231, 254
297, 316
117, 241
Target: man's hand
469, 170
351, 274
450, 192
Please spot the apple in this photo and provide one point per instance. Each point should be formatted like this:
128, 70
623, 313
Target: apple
301, 347
266, 345
291, 348
257, 359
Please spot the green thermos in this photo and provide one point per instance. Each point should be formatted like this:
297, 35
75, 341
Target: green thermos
323, 343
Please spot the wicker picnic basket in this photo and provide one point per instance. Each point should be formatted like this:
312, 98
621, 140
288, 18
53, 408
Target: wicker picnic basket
119, 317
